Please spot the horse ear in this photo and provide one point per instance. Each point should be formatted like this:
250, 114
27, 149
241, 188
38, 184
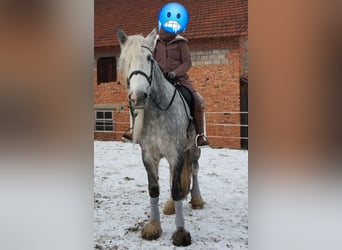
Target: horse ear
121, 36
150, 38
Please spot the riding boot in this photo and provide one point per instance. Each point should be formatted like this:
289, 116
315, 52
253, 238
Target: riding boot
201, 140
127, 136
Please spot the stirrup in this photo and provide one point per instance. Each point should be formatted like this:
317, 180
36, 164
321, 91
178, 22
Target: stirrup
125, 136
205, 140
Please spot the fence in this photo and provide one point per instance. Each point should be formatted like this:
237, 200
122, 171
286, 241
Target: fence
227, 129
223, 129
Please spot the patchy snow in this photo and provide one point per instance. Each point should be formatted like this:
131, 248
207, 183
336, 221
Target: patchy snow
121, 205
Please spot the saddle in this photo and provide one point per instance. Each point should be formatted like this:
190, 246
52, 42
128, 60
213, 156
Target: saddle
185, 92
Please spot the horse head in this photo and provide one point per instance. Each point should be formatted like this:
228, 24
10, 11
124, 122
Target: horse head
137, 64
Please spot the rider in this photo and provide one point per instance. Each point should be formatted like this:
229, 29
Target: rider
173, 56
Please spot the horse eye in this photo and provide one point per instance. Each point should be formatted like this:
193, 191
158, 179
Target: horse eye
168, 14
178, 16
149, 57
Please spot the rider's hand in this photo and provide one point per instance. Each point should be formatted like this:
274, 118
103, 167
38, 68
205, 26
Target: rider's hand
171, 75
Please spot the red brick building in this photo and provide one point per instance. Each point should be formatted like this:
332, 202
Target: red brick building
217, 34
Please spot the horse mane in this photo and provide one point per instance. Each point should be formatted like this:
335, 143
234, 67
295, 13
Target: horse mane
129, 52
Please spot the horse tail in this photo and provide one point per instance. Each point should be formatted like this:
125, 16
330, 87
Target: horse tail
186, 174
138, 124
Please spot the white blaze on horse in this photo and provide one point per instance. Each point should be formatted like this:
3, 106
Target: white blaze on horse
163, 129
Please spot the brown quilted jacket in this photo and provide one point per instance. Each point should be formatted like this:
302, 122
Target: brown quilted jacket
174, 56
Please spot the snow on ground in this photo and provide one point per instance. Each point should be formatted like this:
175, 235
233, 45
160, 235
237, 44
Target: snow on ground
121, 205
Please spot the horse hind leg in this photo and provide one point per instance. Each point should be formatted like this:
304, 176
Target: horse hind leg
196, 198
152, 230
169, 207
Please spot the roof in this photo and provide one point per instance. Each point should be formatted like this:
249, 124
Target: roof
207, 19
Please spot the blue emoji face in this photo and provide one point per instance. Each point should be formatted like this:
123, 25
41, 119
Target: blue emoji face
173, 18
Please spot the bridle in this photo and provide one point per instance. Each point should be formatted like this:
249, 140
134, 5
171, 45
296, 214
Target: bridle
139, 72
150, 81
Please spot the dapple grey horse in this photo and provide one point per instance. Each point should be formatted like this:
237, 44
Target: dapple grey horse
162, 128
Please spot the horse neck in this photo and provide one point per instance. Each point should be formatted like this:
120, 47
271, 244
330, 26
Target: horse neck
161, 88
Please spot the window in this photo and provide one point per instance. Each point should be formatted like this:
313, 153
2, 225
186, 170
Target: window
103, 120
106, 69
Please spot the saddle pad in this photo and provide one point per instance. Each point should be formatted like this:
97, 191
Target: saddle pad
187, 96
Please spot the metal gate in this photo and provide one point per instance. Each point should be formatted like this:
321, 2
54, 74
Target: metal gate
244, 112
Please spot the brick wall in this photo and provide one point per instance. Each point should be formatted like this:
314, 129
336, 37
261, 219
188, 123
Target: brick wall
244, 56
209, 57
215, 75
111, 96
216, 70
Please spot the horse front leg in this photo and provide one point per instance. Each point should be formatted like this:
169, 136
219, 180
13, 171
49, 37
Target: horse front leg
181, 237
152, 230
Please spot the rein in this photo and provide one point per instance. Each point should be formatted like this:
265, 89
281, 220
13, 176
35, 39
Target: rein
169, 105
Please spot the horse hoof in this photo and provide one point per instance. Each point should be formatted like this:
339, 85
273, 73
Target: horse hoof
181, 237
169, 208
152, 230
197, 203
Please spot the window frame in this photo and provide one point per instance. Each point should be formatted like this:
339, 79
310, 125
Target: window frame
105, 121
106, 69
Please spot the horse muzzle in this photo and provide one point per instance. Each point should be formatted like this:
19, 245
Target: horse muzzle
138, 98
